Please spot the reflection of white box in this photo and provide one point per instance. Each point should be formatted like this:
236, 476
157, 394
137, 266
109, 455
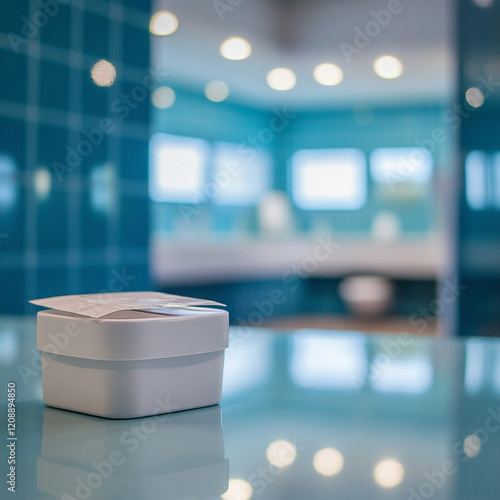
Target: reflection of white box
175, 456
133, 363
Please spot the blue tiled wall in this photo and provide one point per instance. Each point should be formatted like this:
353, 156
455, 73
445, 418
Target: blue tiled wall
367, 129
59, 240
476, 233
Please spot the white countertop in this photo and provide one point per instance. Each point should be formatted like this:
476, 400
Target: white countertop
194, 261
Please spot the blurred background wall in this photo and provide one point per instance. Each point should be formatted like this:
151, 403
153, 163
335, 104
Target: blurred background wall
135, 155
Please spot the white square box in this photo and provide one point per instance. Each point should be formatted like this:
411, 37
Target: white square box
131, 363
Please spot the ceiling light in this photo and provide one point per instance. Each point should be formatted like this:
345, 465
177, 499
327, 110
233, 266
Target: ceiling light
388, 473
328, 462
281, 453
163, 97
474, 97
281, 79
216, 91
235, 48
163, 23
238, 489
328, 74
103, 73
388, 67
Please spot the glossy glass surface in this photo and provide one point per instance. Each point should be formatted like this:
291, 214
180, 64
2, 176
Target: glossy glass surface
304, 415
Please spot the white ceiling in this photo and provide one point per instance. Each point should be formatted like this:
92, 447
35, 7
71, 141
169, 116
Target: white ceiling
300, 34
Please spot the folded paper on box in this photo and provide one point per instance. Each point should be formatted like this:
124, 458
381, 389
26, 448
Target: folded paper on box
99, 305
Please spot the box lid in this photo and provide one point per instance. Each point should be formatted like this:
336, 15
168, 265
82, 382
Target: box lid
133, 335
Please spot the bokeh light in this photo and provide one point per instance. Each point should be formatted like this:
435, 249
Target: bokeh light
388, 473
103, 73
281, 79
328, 462
235, 48
388, 67
281, 453
163, 23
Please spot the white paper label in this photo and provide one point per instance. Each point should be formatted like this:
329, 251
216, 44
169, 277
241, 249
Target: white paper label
96, 305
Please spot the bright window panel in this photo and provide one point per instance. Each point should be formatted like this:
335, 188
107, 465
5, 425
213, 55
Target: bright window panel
178, 168
475, 180
240, 178
401, 166
329, 179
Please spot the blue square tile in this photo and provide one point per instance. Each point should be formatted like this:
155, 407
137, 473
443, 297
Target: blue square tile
52, 221
132, 277
134, 221
53, 144
134, 159
136, 49
139, 5
94, 279
57, 30
11, 20
96, 35
54, 86
52, 281
14, 76
94, 146
12, 298
95, 99
94, 223
139, 98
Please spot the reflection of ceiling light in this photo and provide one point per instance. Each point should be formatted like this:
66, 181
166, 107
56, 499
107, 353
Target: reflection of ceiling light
472, 445
281, 453
388, 473
103, 73
328, 74
235, 48
328, 462
163, 97
388, 67
163, 23
238, 489
42, 182
216, 91
474, 97
281, 79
